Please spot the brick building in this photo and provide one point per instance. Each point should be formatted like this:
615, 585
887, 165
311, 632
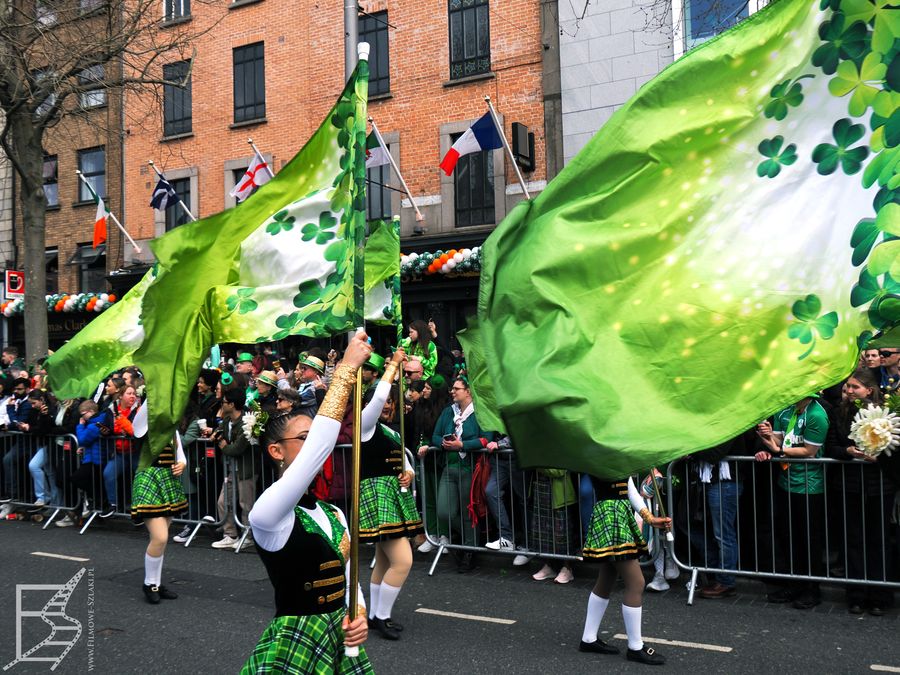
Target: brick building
271, 69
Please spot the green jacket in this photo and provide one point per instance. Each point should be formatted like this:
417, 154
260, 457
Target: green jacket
472, 436
561, 487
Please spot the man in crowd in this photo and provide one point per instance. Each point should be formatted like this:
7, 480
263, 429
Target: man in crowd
413, 370
233, 444
311, 388
18, 409
890, 367
245, 364
372, 369
12, 364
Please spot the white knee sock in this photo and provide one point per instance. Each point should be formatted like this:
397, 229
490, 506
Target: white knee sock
386, 600
152, 570
632, 616
595, 611
374, 595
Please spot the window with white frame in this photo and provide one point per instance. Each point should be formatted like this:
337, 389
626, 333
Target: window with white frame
700, 20
176, 9
93, 79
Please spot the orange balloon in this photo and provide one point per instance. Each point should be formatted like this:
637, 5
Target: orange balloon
112, 298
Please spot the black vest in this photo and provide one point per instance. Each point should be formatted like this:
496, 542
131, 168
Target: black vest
610, 490
307, 574
381, 456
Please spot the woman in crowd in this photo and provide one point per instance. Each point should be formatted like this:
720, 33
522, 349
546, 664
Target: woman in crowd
435, 397
554, 521
869, 497
157, 496
615, 540
799, 431
120, 468
305, 548
421, 347
457, 433
43, 472
388, 513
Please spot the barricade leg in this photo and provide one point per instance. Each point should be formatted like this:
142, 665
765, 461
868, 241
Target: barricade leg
693, 586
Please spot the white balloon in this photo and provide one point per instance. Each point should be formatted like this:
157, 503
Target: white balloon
451, 263
445, 268
413, 256
104, 297
458, 257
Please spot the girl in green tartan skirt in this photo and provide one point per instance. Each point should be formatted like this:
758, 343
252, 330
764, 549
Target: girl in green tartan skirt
304, 544
615, 539
387, 510
156, 497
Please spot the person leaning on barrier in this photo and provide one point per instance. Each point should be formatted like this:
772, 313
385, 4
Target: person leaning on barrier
233, 444
505, 474
18, 409
458, 434
799, 431
866, 494
119, 470
88, 477
43, 473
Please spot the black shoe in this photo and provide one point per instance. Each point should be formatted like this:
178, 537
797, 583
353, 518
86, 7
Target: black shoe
388, 632
855, 608
152, 594
166, 594
598, 647
466, 563
875, 610
388, 622
807, 601
107, 511
781, 596
647, 655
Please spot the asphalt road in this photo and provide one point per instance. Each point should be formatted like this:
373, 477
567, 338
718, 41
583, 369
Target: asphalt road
226, 603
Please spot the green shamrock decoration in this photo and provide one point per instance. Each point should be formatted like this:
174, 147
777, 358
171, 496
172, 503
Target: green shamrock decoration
322, 232
863, 239
841, 42
829, 156
882, 14
784, 95
282, 222
884, 297
806, 311
308, 293
242, 301
771, 148
861, 82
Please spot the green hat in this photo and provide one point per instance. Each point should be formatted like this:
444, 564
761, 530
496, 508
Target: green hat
889, 340
437, 381
375, 362
311, 361
267, 377
243, 357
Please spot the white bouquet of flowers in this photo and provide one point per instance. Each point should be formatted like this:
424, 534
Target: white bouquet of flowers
876, 429
253, 422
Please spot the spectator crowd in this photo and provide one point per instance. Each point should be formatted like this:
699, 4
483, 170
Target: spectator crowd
749, 504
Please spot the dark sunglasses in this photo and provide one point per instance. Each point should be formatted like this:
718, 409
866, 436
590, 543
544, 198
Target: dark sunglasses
886, 354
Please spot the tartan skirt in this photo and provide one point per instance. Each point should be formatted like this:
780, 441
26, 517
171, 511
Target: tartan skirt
305, 645
552, 530
385, 512
156, 493
613, 533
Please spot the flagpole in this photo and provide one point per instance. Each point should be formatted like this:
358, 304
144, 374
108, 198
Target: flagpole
137, 249
180, 201
402, 384
262, 160
419, 217
487, 99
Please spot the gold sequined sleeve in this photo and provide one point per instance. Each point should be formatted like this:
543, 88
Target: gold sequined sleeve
335, 403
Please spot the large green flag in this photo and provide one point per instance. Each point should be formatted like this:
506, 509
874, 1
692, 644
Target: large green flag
286, 261
717, 251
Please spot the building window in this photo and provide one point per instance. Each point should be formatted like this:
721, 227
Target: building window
51, 180
46, 12
40, 78
470, 38
92, 267
51, 257
378, 195
373, 28
177, 99
704, 19
176, 9
92, 164
249, 83
92, 77
175, 214
473, 183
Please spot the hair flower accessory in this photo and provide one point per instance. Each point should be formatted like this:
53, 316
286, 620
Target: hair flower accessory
254, 422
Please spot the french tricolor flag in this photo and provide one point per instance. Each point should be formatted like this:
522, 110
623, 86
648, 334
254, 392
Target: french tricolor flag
483, 135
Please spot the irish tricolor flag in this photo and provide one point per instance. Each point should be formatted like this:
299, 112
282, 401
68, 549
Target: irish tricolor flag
376, 153
483, 135
99, 218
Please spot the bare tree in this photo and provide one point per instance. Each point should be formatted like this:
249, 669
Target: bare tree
54, 56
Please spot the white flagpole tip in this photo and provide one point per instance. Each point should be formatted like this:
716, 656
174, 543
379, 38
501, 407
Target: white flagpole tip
363, 50
249, 141
150, 162
78, 171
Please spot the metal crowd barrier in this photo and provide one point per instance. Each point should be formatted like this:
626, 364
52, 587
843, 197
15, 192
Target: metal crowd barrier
517, 507
751, 526
37, 466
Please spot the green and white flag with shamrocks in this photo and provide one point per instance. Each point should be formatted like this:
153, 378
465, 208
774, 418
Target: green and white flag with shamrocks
719, 250
287, 261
